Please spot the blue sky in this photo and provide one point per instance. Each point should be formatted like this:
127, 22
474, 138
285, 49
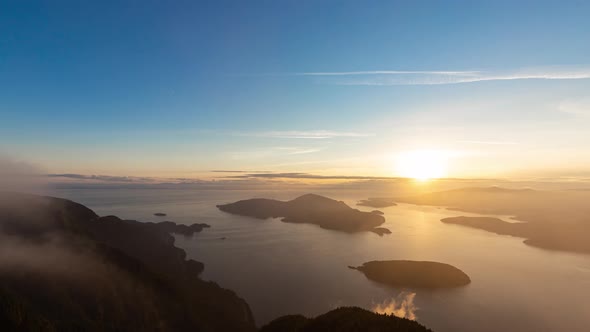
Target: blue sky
175, 88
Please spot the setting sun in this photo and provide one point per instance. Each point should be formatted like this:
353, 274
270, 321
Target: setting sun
422, 164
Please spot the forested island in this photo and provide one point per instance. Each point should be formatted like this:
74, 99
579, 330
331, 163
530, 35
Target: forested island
311, 209
414, 274
377, 202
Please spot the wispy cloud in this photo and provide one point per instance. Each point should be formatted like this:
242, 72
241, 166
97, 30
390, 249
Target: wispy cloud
418, 77
309, 176
103, 178
298, 150
295, 134
580, 107
236, 171
490, 142
20, 176
391, 72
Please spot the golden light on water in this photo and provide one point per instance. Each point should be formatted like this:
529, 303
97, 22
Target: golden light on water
423, 165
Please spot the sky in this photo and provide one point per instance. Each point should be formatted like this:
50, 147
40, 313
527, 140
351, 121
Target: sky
373, 88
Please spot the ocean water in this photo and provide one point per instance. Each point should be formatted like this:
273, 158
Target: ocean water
281, 268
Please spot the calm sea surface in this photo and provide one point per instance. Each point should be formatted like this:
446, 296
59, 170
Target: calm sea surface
282, 268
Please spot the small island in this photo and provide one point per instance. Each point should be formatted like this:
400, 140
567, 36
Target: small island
186, 230
381, 231
490, 224
414, 274
377, 203
311, 209
159, 214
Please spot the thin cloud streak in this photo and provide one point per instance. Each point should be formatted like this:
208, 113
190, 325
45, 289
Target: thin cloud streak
390, 72
579, 107
236, 171
295, 151
490, 142
103, 178
415, 77
308, 176
294, 134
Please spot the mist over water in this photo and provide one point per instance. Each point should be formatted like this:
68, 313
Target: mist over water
20, 176
281, 268
401, 306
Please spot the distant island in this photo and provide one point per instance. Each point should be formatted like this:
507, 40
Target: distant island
381, 231
159, 214
186, 230
552, 220
344, 319
311, 209
490, 224
377, 202
414, 274
566, 238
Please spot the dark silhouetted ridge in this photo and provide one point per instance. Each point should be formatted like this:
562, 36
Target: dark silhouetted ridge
63, 268
345, 319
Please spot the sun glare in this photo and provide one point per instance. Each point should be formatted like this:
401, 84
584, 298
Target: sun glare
423, 165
